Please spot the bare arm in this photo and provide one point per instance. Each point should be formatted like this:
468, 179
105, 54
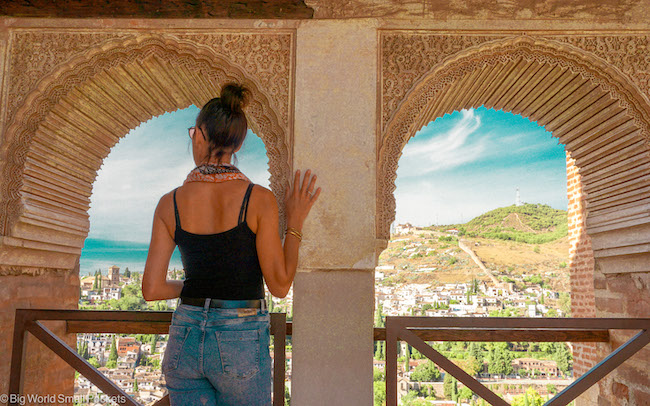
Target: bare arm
155, 285
279, 262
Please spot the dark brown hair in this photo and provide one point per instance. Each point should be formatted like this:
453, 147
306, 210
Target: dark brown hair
223, 121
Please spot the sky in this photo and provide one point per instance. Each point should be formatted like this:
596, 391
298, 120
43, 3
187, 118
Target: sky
454, 169
148, 162
472, 161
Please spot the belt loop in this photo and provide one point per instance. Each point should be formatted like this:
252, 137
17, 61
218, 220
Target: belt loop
263, 305
206, 305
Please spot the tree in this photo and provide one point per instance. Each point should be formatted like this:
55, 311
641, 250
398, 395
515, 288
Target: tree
426, 372
407, 359
454, 389
153, 343
476, 351
93, 361
379, 389
531, 396
113, 355
287, 396
500, 360
465, 393
135, 385
379, 316
562, 356
448, 385
127, 273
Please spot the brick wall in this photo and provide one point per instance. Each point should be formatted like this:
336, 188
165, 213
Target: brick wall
624, 295
45, 373
581, 267
596, 294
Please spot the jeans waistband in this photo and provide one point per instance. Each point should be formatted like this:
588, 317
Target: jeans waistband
224, 304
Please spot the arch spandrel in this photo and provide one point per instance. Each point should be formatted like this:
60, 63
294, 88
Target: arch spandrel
597, 112
67, 125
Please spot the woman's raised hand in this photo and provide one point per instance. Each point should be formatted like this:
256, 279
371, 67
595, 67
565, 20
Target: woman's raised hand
300, 198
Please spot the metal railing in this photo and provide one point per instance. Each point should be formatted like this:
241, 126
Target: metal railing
417, 330
110, 321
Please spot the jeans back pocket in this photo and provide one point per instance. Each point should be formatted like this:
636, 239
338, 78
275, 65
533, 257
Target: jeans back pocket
240, 352
177, 337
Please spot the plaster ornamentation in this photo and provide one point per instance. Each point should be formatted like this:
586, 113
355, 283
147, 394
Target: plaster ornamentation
629, 53
411, 86
406, 57
34, 55
61, 68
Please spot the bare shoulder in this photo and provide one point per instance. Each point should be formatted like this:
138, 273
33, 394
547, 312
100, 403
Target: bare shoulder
263, 199
165, 210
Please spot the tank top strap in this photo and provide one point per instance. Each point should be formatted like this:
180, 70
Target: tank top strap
178, 218
244, 205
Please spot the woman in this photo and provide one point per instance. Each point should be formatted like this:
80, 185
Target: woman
226, 229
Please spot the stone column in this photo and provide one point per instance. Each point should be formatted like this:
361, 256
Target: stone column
336, 102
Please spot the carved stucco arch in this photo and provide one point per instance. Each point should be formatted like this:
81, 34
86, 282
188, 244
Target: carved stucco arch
66, 126
540, 79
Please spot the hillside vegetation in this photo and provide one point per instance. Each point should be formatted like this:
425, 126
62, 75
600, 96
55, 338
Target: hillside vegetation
529, 223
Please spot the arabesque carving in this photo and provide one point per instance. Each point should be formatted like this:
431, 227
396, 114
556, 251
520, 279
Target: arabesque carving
406, 57
200, 63
403, 116
629, 53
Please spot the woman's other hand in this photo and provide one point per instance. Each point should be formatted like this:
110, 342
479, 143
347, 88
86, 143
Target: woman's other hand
300, 198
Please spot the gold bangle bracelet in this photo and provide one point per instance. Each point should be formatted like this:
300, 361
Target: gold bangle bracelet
295, 233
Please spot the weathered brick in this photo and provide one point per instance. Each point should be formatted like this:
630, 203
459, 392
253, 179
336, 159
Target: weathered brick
641, 397
620, 391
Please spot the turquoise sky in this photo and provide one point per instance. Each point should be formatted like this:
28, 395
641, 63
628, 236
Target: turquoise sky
148, 162
472, 161
456, 168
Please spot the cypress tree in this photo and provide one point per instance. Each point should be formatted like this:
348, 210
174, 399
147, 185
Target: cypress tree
113, 355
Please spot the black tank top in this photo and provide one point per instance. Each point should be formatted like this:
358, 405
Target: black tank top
223, 265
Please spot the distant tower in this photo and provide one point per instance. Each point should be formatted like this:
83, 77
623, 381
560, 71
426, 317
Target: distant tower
114, 274
518, 199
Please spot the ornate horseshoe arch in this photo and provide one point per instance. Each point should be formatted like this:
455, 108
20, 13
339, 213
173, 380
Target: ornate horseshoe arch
65, 127
601, 117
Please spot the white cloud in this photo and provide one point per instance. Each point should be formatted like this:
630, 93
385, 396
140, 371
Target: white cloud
150, 161
449, 149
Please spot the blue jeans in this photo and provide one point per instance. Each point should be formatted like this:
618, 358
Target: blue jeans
218, 356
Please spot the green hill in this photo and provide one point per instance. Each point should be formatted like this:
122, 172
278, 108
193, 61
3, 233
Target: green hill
529, 223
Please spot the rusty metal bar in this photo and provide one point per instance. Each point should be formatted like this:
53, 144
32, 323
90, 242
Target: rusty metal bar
391, 362
600, 370
279, 331
120, 326
483, 334
444, 363
73, 359
163, 402
99, 315
113, 326
18, 351
115, 321
501, 323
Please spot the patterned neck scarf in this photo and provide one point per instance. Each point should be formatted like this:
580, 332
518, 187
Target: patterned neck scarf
215, 173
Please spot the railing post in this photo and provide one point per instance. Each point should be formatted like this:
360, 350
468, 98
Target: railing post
391, 362
279, 331
18, 351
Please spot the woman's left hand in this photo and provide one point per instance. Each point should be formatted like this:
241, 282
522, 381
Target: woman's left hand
300, 198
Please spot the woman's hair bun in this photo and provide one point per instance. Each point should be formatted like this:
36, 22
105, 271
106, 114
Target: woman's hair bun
234, 96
